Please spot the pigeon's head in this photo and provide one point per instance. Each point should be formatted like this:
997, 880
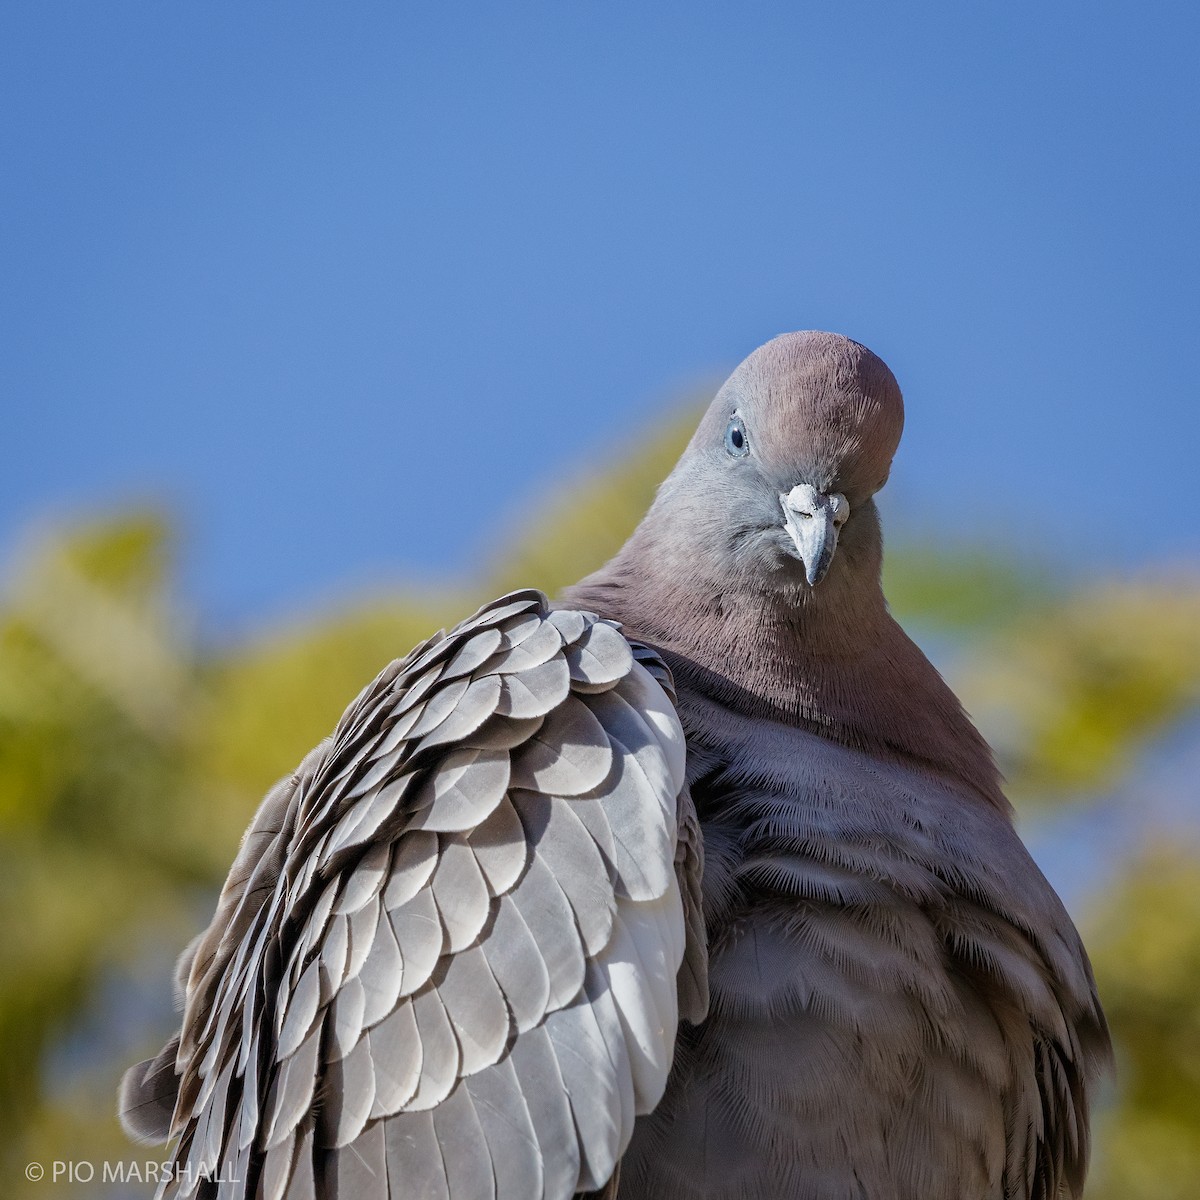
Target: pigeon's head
797, 441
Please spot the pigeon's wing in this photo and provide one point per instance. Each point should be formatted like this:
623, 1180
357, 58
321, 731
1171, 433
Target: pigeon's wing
149, 1090
445, 962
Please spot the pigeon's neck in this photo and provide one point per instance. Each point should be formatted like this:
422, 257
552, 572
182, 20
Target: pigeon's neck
831, 661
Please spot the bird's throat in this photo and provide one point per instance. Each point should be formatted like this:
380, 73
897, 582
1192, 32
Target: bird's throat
834, 663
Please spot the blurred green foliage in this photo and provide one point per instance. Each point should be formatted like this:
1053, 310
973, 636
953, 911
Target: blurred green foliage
131, 758
963, 589
1075, 690
1146, 947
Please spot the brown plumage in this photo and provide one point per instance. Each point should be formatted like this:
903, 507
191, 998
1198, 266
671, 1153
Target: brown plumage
450, 956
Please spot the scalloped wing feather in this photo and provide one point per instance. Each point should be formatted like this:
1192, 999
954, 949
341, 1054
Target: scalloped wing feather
451, 955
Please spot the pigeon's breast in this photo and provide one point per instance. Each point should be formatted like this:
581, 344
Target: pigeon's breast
876, 984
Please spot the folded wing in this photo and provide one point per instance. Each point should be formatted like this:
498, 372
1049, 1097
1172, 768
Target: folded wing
445, 961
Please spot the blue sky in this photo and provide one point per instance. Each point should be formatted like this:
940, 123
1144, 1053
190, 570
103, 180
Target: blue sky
347, 286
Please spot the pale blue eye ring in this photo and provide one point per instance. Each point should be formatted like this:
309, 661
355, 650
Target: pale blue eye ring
736, 442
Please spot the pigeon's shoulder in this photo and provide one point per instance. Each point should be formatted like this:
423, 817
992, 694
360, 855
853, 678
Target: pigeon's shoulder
457, 925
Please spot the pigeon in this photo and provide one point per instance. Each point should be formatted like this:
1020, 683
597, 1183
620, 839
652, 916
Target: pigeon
694, 882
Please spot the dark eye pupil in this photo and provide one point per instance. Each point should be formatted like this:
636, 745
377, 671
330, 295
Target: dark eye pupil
735, 438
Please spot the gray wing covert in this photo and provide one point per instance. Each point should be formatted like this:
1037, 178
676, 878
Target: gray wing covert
445, 963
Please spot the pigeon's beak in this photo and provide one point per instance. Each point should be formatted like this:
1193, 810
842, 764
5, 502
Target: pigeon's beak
813, 521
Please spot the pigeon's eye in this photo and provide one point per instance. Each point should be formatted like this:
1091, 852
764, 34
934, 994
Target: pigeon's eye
735, 438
